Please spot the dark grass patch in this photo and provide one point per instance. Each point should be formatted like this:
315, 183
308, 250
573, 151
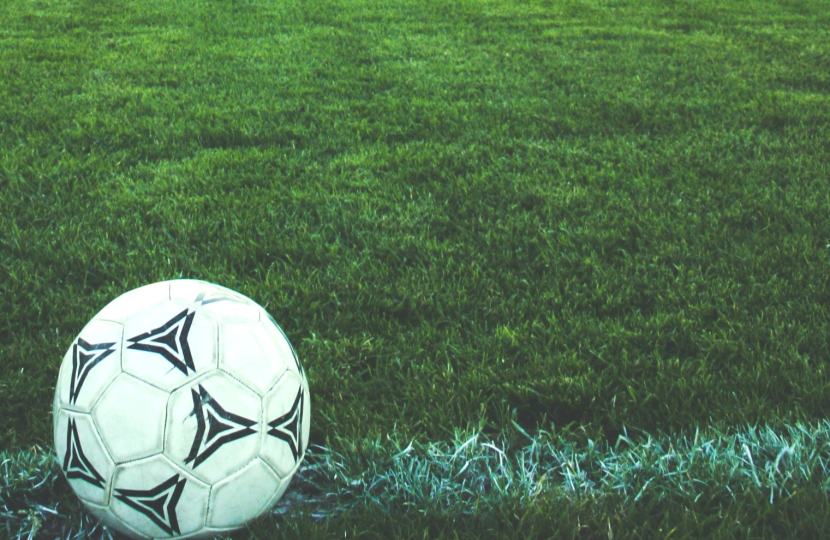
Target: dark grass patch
804, 515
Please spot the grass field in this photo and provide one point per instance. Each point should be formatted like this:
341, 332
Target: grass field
582, 245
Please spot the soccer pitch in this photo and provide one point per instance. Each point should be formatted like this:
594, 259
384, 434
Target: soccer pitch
555, 269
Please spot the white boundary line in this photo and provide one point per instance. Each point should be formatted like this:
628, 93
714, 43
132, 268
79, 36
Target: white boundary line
471, 473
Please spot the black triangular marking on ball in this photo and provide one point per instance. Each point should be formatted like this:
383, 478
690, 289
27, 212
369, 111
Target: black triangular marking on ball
170, 341
157, 503
203, 298
215, 427
75, 463
289, 427
85, 356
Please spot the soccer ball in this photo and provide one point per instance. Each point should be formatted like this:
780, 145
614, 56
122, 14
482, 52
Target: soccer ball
181, 411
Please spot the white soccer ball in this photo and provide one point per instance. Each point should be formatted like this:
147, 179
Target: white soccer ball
181, 411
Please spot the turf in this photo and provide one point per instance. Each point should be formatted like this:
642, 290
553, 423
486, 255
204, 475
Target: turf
598, 214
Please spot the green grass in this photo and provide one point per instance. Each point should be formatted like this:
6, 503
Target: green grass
609, 215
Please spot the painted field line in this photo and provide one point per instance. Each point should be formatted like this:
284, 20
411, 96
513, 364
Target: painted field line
470, 474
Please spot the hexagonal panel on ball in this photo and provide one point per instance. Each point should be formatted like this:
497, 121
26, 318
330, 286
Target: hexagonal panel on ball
130, 418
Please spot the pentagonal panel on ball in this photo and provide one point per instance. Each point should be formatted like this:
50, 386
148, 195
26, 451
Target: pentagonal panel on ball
83, 457
134, 301
130, 418
213, 426
157, 499
243, 496
169, 344
285, 437
91, 363
223, 302
286, 350
251, 354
